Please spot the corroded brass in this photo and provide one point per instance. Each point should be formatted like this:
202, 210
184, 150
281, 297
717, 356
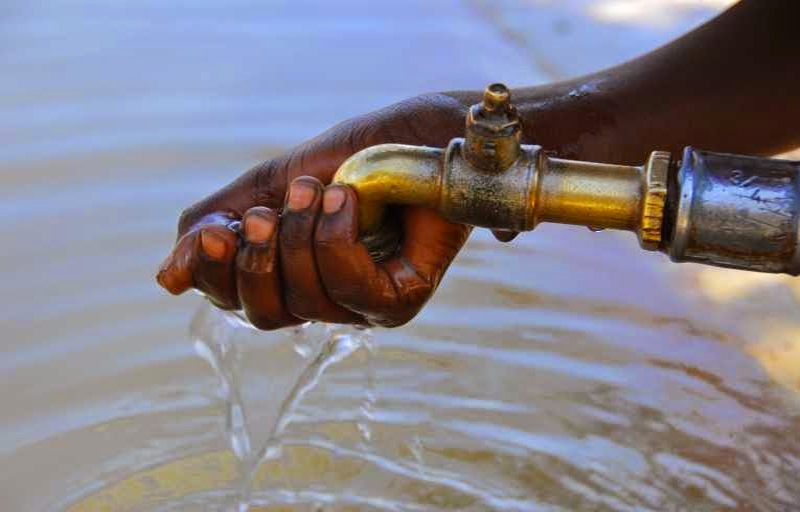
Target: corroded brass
727, 210
470, 195
656, 174
391, 174
493, 130
599, 196
537, 188
488, 179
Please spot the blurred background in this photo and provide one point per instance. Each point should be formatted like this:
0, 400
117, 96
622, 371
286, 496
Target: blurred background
539, 378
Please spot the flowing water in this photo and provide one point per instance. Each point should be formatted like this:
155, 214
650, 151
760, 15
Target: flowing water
322, 346
566, 371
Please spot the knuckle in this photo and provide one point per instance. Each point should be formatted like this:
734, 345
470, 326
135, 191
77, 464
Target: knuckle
295, 231
325, 243
335, 235
186, 219
312, 180
298, 305
253, 263
357, 133
270, 182
368, 131
431, 119
350, 297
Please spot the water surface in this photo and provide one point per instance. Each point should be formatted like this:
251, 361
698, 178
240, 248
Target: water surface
568, 370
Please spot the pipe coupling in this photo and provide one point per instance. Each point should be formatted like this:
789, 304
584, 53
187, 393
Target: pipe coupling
736, 211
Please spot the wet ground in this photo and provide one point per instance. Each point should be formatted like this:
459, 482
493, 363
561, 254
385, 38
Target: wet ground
568, 370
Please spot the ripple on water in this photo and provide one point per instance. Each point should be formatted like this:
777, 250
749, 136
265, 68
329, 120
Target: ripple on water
352, 423
564, 371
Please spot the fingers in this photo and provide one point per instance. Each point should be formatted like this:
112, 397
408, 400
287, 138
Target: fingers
303, 291
203, 259
504, 236
387, 294
175, 273
213, 265
392, 292
258, 273
431, 242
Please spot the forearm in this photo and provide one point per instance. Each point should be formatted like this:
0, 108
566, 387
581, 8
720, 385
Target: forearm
731, 85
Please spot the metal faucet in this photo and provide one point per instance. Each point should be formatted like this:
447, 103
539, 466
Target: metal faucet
719, 209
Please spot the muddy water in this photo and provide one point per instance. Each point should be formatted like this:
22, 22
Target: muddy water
568, 370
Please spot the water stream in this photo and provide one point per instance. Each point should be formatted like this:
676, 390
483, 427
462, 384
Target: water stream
565, 371
320, 347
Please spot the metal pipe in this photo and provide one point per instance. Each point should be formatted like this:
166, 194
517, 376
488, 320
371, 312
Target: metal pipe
391, 174
726, 210
579, 192
735, 211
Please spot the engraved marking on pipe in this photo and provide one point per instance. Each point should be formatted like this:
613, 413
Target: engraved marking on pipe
740, 178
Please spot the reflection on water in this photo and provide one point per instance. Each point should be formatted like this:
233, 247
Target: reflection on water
568, 370
474, 419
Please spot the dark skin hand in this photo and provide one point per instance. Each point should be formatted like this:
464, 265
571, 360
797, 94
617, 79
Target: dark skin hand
731, 85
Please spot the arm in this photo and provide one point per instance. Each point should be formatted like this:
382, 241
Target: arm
730, 85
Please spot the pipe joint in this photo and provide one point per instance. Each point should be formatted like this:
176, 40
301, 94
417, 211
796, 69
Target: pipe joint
504, 200
726, 210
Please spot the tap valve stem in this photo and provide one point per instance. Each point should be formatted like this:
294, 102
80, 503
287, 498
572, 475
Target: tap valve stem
493, 131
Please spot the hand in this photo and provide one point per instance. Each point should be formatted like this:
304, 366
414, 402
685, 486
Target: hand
299, 258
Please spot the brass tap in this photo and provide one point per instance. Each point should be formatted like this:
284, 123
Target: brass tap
489, 179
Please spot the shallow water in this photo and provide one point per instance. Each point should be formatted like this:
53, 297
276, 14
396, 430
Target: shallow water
568, 370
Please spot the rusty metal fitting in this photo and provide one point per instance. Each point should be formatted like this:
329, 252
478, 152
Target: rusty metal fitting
493, 131
488, 179
726, 210
499, 200
736, 211
536, 188
654, 197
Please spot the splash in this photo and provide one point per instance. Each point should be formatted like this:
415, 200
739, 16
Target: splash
320, 347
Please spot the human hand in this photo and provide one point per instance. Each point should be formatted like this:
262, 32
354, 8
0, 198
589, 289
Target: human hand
299, 257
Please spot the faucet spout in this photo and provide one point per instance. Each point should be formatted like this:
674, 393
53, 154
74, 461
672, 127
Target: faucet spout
391, 174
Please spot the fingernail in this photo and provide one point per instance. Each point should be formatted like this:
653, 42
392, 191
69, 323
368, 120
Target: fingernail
300, 195
333, 200
214, 246
258, 229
